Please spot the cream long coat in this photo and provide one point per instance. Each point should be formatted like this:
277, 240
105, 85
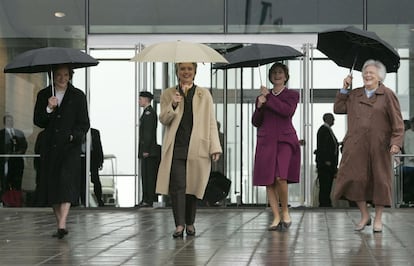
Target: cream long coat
204, 141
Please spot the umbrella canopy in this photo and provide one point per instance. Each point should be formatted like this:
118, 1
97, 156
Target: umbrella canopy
43, 60
350, 47
179, 51
258, 54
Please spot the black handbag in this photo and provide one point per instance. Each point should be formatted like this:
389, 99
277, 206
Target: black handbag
217, 189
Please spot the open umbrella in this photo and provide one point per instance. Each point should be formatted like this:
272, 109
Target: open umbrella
350, 47
258, 54
179, 51
44, 59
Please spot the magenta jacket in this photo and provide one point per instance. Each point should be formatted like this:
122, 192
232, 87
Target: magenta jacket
274, 126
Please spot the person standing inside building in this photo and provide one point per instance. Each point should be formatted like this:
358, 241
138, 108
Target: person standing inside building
375, 132
191, 142
148, 151
408, 169
13, 142
64, 117
326, 159
277, 159
96, 164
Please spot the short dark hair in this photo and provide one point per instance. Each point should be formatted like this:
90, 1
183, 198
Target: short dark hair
146, 94
6, 116
283, 67
326, 116
56, 67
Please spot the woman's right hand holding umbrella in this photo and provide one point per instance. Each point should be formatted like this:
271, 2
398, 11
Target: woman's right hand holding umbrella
347, 82
52, 102
262, 98
176, 99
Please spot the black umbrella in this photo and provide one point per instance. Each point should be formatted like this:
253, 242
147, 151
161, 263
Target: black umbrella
258, 54
44, 59
350, 47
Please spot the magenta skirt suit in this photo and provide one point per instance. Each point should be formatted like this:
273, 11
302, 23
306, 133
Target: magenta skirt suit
277, 148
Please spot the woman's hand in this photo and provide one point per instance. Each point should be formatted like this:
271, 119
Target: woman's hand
394, 149
264, 91
52, 102
177, 98
261, 101
347, 82
215, 157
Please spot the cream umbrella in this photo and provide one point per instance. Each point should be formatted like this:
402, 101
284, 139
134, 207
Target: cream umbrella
179, 51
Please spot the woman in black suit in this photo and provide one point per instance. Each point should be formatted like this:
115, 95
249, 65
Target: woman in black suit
64, 116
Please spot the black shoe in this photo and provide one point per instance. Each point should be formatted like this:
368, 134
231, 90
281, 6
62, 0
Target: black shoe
101, 203
190, 232
362, 227
178, 234
277, 227
60, 233
143, 204
286, 224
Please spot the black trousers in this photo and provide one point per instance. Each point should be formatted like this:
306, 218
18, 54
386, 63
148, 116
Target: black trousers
149, 171
326, 176
183, 205
97, 186
15, 173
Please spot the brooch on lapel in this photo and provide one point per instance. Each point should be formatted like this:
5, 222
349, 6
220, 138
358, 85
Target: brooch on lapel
147, 112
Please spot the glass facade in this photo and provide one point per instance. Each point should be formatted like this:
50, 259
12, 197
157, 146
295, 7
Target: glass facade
113, 31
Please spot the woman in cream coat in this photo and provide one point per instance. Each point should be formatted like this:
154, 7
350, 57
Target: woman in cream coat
190, 142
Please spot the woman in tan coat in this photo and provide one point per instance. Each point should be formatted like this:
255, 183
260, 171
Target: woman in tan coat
375, 132
190, 142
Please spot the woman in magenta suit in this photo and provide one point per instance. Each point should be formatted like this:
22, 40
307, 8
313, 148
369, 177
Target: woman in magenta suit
277, 160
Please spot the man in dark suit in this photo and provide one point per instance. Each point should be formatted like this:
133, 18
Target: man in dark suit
12, 141
149, 151
326, 159
97, 159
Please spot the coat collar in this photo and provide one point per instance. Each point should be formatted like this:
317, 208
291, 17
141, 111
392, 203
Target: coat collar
361, 91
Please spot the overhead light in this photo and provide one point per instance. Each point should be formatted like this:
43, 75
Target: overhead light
59, 14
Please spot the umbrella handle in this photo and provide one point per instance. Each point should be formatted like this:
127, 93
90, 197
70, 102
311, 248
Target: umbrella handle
52, 83
260, 76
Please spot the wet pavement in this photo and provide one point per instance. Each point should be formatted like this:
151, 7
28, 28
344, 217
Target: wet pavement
224, 236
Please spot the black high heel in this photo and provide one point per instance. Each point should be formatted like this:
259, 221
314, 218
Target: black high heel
178, 234
277, 227
60, 233
287, 224
190, 232
362, 227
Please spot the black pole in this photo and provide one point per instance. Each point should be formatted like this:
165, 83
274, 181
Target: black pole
241, 137
364, 15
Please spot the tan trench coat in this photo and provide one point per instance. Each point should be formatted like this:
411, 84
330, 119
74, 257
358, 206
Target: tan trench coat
204, 141
374, 124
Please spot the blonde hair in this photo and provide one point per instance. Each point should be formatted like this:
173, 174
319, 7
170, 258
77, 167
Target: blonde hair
178, 64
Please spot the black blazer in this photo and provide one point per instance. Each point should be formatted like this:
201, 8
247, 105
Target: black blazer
17, 145
97, 156
148, 133
327, 148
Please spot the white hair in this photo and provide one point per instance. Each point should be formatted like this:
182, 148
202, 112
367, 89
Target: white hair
382, 71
